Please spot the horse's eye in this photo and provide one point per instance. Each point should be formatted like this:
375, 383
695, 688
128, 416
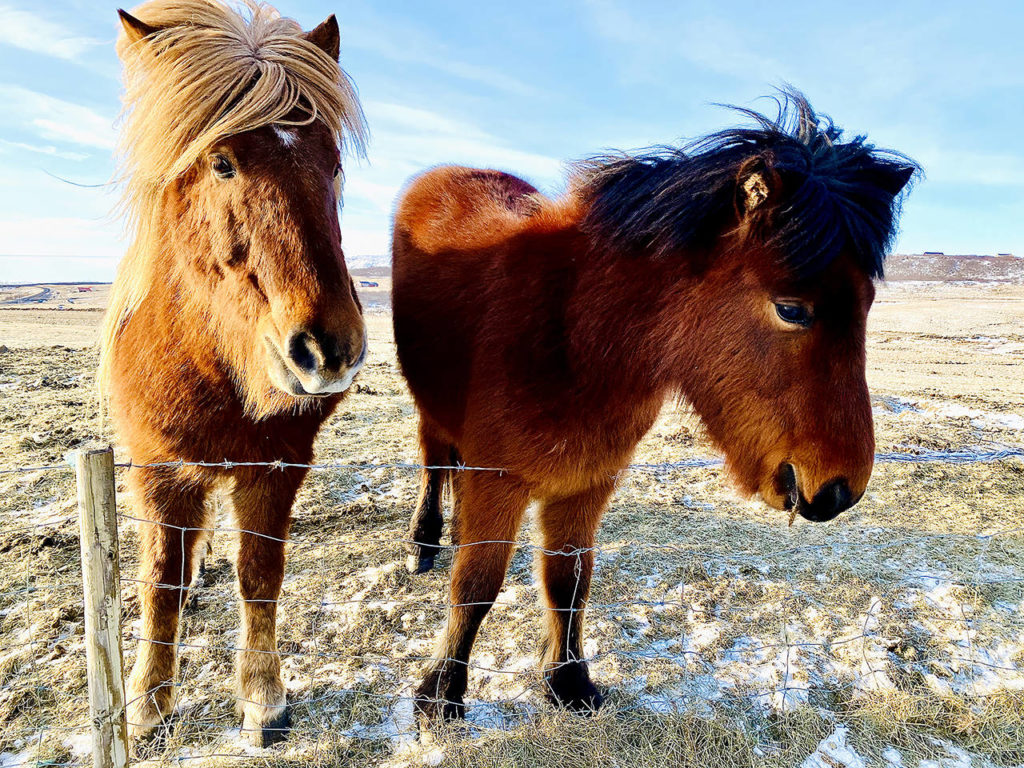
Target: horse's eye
797, 314
337, 170
222, 167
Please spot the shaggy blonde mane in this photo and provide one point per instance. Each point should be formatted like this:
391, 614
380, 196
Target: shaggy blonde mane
208, 72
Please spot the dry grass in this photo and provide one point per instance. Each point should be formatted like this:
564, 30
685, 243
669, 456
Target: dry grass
723, 636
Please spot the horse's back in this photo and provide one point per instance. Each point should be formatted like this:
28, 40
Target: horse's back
453, 208
451, 224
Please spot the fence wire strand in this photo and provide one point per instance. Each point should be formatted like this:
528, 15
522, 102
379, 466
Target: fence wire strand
795, 654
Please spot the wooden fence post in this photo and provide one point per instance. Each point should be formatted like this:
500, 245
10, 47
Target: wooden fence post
101, 585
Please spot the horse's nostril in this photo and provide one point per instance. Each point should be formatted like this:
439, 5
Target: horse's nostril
786, 485
832, 498
304, 352
316, 351
334, 355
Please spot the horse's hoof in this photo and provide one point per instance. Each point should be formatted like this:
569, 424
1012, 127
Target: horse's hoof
147, 741
571, 688
146, 721
433, 704
267, 731
430, 711
419, 563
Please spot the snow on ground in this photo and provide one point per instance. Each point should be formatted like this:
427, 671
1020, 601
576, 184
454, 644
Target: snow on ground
834, 752
980, 419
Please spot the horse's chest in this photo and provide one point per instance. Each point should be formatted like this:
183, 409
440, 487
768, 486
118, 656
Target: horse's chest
584, 453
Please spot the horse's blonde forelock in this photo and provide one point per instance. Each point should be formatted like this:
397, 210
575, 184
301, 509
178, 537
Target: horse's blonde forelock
209, 72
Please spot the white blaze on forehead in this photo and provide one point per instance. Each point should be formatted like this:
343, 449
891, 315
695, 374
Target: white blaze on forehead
286, 136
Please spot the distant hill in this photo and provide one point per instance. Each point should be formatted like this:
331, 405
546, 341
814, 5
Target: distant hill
899, 267
949, 267
384, 271
373, 261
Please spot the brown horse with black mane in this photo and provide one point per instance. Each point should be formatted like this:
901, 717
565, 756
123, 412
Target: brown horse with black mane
234, 326
543, 337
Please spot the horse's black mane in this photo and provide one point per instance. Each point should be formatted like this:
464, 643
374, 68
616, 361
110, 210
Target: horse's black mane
835, 195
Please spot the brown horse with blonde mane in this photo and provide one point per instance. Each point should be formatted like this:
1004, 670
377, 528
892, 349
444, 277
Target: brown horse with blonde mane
543, 336
234, 327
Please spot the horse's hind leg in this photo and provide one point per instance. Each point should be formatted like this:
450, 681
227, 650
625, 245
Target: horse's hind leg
175, 508
455, 478
568, 526
427, 521
492, 509
262, 503
203, 551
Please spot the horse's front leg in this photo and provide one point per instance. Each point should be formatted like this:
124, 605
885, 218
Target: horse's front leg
568, 526
426, 523
173, 508
491, 511
262, 501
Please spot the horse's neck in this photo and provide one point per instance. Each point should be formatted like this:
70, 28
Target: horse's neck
617, 332
178, 315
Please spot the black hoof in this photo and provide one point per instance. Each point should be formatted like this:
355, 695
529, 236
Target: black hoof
150, 744
434, 705
570, 687
421, 557
272, 732
430, 711
416, 564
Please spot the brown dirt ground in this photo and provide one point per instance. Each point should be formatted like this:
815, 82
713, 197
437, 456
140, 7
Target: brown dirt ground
723, 636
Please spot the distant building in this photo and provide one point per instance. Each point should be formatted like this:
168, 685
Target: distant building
85, 289
368, 284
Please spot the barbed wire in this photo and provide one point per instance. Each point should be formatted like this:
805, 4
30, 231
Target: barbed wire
689, 660
921, 456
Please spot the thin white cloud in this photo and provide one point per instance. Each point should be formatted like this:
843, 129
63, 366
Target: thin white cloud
380, 196
410, 45
54, 269
55, 119
711, 43
42, 149
360, 243
60, 236
32, 32
388, 115
407, 139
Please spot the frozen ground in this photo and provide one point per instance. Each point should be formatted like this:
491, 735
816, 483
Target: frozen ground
891, 637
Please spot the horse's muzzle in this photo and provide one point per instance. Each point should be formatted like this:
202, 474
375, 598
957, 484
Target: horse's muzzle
830, 499
314, 364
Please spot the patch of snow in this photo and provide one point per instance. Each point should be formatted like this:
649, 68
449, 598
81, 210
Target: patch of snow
835, 752
898, 405
12, 759
998, 345
955, 757
979, 419
80, 744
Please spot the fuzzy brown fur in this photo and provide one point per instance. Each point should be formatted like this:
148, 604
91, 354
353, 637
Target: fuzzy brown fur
235, 327
535, 342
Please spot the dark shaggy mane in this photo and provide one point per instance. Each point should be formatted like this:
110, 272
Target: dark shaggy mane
830, 195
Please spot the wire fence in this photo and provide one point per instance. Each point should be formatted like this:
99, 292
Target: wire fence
921, 456
680, 627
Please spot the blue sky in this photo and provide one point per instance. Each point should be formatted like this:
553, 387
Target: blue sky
526, 86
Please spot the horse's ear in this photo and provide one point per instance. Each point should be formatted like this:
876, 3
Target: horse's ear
893, 178
134, 28
753, 191
327, 37
756, 182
